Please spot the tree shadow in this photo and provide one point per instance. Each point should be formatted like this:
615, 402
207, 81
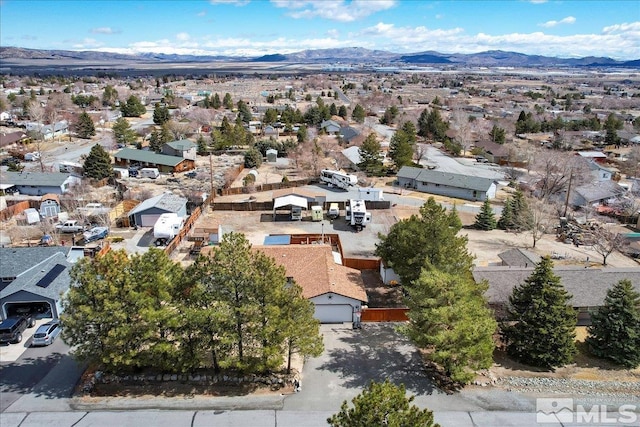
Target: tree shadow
25, 375
378, 352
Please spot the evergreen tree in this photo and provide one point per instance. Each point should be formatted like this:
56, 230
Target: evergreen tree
543, 329
333, 110
429, 240
160, 114
227, 102
371, 159
506, 220
521, 212
358, 114
215, 102
133, 107
497, 135
97, 165
252, 158
122, 132
84, 126
401, 149
382, 404
485, 220
448, 314
244, 114
342, 111
614, 333
611, 125
109, 96
203, 147
431, 125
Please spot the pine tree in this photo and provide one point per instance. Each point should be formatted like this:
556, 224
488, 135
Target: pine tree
215, 102
133, 107
98, 163
84, 126
543, 332
371, 159
203, 147
506, 218
401, 149
522, 215
123, 133
448, 314
614, 333
485, 220
358, 114
382, 404
342, 111
160, 114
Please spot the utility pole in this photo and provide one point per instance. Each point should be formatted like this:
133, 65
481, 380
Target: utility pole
566, 202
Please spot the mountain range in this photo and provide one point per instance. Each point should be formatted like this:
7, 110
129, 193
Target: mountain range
494, 58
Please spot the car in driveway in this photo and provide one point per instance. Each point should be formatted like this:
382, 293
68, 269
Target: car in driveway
96, 233
11, 329
46, 334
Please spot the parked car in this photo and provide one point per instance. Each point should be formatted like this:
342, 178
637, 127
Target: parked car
191, 174
71, 226
96, 233
46, 334
11, 329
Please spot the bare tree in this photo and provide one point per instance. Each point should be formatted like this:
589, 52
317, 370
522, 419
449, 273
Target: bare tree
606, 242
559, 171
460, 123
37, 114
543, 218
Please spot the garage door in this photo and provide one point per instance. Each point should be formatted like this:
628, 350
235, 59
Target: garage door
334, 313
38, 309
149, 220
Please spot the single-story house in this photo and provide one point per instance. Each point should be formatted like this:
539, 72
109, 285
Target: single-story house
595, 193
40, 183
352, 154
330, 126
148, 159
47, 132
601, 172
448, 184
494, 152
147, 213
337, 292
12, 138
348, 134
49, 205
587, 286
34, 279
184, 148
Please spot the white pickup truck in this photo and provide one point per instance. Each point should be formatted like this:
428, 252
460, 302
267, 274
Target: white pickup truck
71, 226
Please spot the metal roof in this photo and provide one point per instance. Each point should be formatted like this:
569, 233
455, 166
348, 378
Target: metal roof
290, 200
38, 179
147, 157
182, 144
166, 201
434, 176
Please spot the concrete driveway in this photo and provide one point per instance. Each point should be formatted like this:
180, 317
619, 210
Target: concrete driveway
376, 352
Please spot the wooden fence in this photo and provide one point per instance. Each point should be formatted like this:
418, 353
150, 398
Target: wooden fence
265, 187
19, 207
362, 263
119, 214
246, 206
188, 225
384, 315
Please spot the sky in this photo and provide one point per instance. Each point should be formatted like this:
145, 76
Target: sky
566, 28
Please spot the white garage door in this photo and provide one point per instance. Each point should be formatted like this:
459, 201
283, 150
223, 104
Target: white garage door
334, 313
149, 220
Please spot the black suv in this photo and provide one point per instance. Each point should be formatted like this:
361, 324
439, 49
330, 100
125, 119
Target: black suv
11, 329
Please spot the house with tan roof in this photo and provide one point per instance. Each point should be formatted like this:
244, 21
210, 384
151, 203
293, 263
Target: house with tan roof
337, 291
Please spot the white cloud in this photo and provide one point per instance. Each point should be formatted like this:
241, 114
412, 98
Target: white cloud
550, 24
87, 43
104, 30
183, 37
234, 2
333, 33
632, 27
336, 10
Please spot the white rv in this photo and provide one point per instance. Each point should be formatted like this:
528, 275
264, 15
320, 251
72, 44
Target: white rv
370, 193
167, 227
357, 214
152, 173
338, 179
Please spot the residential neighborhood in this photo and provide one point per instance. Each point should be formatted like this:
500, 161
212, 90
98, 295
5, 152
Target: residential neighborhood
266, 241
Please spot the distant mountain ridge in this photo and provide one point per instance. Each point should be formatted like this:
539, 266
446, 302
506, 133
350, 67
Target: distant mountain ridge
353, 55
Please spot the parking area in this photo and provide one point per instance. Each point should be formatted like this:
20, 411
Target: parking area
12, 352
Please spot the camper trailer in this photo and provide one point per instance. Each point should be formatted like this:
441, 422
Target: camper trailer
316, 213
167, 227
334, 211
296, 213
152, 173
371, 194
357, 214
338, 179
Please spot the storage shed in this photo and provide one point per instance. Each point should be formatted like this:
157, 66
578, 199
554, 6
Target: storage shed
147, 213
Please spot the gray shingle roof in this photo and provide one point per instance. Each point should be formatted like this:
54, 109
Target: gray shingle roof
450, 179
28, 279
182, 145
15, 261
587, 286
147, 157
599, 191
517, 257
45, 179
166, 201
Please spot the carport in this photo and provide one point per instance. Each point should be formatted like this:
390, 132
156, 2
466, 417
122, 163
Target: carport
286, 202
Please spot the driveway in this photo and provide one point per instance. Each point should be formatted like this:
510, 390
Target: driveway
353, 358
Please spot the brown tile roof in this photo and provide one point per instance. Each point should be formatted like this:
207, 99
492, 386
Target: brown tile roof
315, 271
